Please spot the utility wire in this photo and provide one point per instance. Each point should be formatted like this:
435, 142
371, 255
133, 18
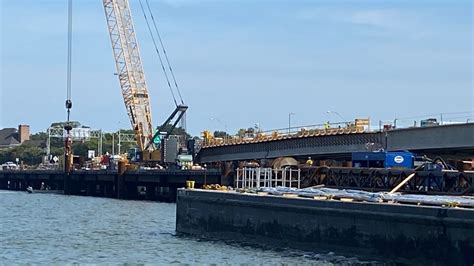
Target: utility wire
164, 51
158, 52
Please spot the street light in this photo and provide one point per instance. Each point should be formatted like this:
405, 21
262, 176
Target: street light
119, 139
336, 113
113, 143
289, 121
119, 142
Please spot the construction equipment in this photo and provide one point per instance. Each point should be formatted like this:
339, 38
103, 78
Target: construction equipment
132, 79
383, 159
68, 155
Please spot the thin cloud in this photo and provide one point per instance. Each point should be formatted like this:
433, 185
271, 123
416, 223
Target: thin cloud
385, 19
382, 20
181, 3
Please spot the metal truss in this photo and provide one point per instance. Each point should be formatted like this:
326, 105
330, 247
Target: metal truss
129, 68
124, 137
84, 134
77, 134
372, 179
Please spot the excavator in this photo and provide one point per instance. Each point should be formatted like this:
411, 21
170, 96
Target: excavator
150, 142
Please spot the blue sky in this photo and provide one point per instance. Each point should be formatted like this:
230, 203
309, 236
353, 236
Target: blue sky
244, 62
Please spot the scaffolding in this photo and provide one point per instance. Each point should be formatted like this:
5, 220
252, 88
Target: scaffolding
84, 134
267, 177
77, 134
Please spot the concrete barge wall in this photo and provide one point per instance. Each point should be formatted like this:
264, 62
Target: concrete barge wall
402, 233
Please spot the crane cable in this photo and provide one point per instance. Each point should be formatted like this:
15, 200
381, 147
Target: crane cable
158, 52
68, 157
164, 51
69, 61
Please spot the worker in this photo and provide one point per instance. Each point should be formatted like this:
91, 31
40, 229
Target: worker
326, 125
309, 162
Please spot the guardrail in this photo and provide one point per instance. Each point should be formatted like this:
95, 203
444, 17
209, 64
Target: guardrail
288, 133
352, 127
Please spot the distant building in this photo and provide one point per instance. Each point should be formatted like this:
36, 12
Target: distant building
11, 137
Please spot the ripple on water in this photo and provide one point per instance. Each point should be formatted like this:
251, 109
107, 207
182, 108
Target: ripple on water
48, 228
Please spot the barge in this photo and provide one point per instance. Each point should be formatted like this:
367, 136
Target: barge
406, 233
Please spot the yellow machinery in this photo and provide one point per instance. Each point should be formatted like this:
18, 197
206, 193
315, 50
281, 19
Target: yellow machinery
129, 69
132, 79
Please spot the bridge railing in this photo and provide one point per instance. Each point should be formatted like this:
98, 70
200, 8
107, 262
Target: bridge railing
356, 126
440, 119
291, 132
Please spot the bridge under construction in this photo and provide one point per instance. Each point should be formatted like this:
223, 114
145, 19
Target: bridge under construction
338, 143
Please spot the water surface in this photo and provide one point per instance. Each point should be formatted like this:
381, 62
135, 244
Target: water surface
48, 228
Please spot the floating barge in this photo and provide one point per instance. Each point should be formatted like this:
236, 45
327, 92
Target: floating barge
147, 184
406, 233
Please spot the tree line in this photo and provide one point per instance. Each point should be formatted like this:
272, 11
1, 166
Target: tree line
33, 152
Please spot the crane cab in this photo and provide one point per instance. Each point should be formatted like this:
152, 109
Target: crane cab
135, 155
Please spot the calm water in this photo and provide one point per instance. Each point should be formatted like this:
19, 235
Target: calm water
47, 228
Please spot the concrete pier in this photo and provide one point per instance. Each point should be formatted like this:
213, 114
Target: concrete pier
395, 232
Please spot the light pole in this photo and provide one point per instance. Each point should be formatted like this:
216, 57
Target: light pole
119, 142
289, 121
101, 148
48, 152
336, 113
113, 143
119, 139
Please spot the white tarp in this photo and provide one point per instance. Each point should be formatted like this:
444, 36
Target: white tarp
373, 196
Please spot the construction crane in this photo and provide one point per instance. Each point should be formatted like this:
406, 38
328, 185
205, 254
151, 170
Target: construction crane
132, 79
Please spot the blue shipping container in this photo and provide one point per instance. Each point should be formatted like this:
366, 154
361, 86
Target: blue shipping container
392, 159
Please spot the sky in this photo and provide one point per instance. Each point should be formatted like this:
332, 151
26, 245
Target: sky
243, 62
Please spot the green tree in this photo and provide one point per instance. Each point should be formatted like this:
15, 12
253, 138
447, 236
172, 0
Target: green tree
5, 155
176, 131
29, 154
39, 136
220, 134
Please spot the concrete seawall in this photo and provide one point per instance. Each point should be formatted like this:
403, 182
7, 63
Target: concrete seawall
402, 233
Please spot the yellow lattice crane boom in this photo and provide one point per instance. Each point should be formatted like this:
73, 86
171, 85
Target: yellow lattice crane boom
130, 70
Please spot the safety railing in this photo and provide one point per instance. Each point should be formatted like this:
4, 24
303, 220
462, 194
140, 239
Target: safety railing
267, 177
356, 126
441, 119
289, 133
